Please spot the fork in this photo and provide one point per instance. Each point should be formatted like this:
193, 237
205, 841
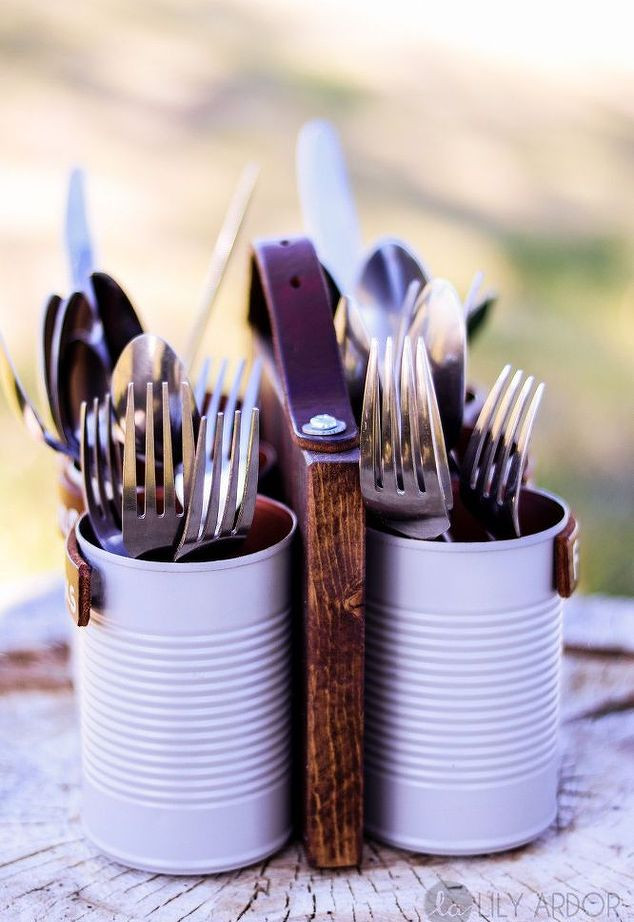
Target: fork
228, 513
404, 472
494, 462
101, 474
153, 530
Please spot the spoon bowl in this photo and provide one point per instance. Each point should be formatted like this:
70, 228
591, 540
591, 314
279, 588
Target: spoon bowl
149, 359
384, 279
439, 319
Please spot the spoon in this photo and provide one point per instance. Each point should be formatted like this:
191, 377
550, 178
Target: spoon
385, 276
148, 358
19, 402
51, 310
439, 319
74, 323
83, 377
118, 317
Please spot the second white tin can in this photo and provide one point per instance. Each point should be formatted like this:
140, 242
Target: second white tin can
462, 687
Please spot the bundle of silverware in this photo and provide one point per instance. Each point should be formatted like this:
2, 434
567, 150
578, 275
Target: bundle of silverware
403, 337
120, 400
121, 404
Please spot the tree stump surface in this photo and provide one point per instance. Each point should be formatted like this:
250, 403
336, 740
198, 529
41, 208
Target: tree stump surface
583, 865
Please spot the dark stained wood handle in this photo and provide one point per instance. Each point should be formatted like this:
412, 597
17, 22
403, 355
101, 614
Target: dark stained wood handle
78, 582
290, 304
567, 558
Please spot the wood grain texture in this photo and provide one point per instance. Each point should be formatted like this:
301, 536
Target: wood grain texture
49, 872
324, 492
303, 376
334, 540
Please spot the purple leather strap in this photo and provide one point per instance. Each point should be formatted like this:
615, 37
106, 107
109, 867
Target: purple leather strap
290, 303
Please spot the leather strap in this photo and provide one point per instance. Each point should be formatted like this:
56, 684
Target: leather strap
290, 304
78, 580
567, 558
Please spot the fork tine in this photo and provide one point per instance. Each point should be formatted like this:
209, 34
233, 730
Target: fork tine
229, 408
496, 429
214, 403
188, 440
250, 492
216, 394
129, 505
169, 489
249, 401
197, 496
150, 454
390, 441
98, 458
90, 500
410, 450
481, 428
213, 506
369, 436
408, 311
231, 497
438, 438
200, 387
517, 468
113, 458
428, 472
508, 435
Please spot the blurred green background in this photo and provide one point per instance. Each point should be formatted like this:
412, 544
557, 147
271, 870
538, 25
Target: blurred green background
484, 149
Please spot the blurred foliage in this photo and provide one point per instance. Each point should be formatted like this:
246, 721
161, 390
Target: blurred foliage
477, 164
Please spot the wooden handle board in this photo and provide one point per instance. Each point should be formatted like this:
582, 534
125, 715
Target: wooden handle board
291, 313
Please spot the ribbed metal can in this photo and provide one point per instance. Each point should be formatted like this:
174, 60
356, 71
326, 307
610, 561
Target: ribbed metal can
185, 704
463, 657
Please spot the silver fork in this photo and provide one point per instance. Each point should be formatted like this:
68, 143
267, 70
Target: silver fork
153, 531
228, 513
495, 459
101, 474
404, 473
249, 400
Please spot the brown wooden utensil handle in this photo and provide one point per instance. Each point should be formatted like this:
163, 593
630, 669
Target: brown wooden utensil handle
288, 294
78, 582
567, 558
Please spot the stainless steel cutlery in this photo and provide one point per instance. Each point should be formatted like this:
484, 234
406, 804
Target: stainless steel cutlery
495, 459
151, 531
163, 482
148, 358
21, 405
102, 478
223, 495
403, 465
438, 317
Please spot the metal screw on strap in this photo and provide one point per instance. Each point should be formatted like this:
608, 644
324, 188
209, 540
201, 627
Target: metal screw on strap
323, 424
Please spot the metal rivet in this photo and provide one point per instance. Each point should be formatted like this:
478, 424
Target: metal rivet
324, 424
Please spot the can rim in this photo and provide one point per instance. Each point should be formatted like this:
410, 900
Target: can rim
478, 547
206, 566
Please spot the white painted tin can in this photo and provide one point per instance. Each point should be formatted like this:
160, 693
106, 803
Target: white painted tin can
185, 704
462, 687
